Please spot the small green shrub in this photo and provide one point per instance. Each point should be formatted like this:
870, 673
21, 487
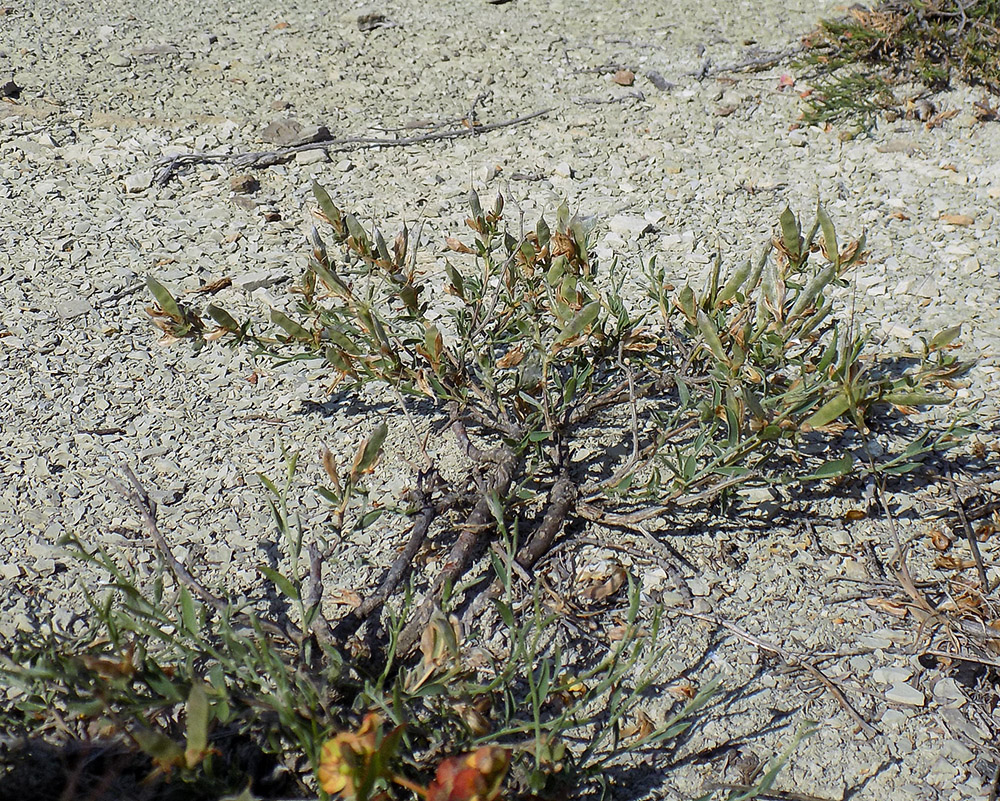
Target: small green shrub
861, 57
535, 358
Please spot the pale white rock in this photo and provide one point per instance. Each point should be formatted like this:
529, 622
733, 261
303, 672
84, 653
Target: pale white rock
311, 157
948, 692
890, 675
563, 170
798, 139
138, 182
628, 226
902, 693
258, 280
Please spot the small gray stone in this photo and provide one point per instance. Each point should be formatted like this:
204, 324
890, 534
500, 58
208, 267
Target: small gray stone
947, 692
311, 157
291, 132
72, 308
138, 182
957, 751
119, 60
902, 693
891, 675
893, 717
797, 138
258, 280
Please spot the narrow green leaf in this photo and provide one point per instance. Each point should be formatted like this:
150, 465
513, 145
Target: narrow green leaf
583, 319
164, 751
687, 302
712, 283
915, 397
812, 290
790, 233
711, 335
164, 299
828, 412
189, 615
222, 317
326, 205
197, 723
538, 436
562, 216
457, 282
474, 205
368, 518
287, 588
732, 286
294, 330
832, 469
369, 451
829, 237
943, 339
542, 232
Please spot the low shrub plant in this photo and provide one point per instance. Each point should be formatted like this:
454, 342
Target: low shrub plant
860, 59
464, 684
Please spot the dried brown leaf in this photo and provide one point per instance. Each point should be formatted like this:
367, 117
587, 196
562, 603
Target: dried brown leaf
958, 219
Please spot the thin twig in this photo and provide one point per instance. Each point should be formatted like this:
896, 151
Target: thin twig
146, 507
974, 660
401, 565
750, 791
970, 535
121, 293
312, 596
493, 456
171, 164
791, 657
756, 63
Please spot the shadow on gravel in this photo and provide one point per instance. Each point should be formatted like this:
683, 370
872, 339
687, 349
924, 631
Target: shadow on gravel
110, 770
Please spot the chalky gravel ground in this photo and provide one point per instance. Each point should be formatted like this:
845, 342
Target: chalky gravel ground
686, 158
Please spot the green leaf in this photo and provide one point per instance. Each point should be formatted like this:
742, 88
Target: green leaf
687, 302
474, 205
457, 282
790, 233
281, 582
732, 286
538, 436
164, 751
828, 412
813, 289
583, 319
915, 397
189, 615
832, 469
943, 339
829, 237
542, 232
294, 330
368, 518
197, 724
369, 451
712, 283
222, 317
711, 334
326, 205
165, 300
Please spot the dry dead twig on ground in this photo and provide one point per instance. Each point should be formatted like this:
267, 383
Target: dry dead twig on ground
170, 165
